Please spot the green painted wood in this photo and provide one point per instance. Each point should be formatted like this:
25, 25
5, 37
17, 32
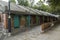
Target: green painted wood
28, 20
37, 19
22, 16
16, 21
43, 19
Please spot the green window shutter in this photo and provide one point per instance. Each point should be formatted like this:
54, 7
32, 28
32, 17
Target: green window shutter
28, 21
16, 21
37, 19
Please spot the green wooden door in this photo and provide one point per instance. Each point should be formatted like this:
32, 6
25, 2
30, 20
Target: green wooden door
16, 21
28, 20
37, 20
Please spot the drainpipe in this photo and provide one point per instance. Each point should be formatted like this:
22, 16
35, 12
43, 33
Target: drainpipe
9, 19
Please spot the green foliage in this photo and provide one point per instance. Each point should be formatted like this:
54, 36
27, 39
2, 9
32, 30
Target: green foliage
54, 2
55, 5
23, 2
41, 6
31, 3
35, 7
12, 1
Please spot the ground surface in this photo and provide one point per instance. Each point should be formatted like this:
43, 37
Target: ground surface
34, 34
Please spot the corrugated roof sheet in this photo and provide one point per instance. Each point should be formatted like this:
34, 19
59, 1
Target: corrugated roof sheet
20, 8
13, 6
1, 8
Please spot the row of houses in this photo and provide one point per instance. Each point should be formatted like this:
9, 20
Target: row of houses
23, 17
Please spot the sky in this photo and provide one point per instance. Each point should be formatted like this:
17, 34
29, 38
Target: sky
34, 3
5, 0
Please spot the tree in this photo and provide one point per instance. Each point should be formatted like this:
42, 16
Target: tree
23, 2
41, 6
39, 3
13, 1
55, 5
31, 3
35, 7
54, 2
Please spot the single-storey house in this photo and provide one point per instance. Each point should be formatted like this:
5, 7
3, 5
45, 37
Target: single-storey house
23, 17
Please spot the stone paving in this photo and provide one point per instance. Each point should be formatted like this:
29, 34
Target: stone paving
34, 34
0, 34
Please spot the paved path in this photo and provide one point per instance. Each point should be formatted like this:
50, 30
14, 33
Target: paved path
34, 34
